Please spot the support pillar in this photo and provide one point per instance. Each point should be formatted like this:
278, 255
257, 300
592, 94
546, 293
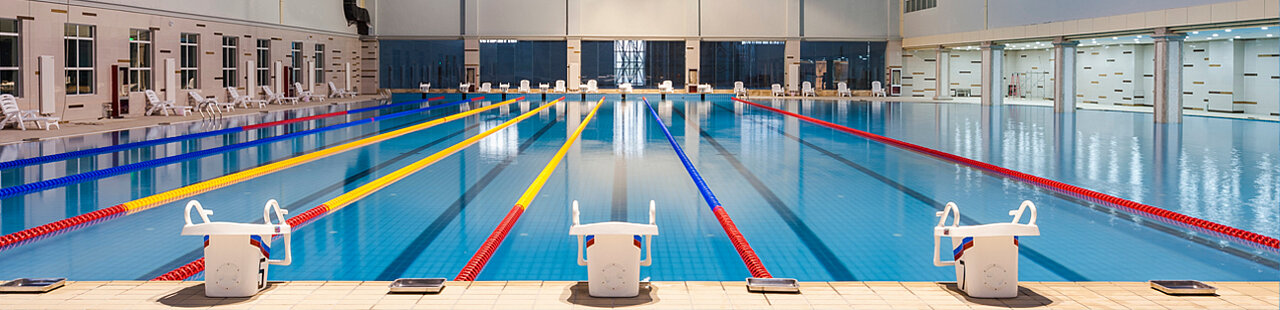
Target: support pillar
1168, 77
1064, 76
992, 77
942, 74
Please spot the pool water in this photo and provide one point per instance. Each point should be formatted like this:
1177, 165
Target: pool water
816, 204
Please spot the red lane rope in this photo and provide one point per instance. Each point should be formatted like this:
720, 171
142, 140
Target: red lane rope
65, 224
481, 257
740, 243
1068, 189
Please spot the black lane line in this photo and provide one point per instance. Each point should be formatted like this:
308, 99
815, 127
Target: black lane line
820, 251
300, 203
619, 211
1171, 230
428, 235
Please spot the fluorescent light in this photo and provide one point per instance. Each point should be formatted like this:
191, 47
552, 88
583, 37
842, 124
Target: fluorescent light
1237, 37
1215, 35
1195, 32
1115, 38
1264, 28
1228, 30
1268, 35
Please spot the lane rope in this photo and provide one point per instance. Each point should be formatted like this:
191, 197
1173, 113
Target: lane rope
491, 244
151, 163
1250, 238
345, 199
148, 202
120, 147
739, 241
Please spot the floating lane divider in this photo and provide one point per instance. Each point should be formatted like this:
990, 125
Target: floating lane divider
337, 203
1072, 190
121, 147
482, 255
739, 242
148, 202
122, 169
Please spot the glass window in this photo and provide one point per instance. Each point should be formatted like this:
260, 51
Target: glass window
10, 59
264, 57
296, 63
855, 63
756, 63
405, 63
78, 66
509, 61
139, 59
319, 75
189, 64
230, 56
642, 63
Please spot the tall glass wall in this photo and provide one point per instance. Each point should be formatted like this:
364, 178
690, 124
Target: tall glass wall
855, 63
644, 64
509, 61
756, 63
405, 63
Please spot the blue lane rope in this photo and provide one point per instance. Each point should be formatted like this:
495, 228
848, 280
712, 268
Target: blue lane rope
707, 195
77, 178
144, 143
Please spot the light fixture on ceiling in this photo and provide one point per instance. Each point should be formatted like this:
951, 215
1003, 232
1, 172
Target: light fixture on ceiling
1195, 32
1215, 35
1228, 30
1264, 28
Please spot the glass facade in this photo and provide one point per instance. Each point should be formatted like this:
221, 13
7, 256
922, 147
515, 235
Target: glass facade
756, 63
509, 61
319, 69
264, 58
644, 64
405, 63
295, 64
856, 63
230, 49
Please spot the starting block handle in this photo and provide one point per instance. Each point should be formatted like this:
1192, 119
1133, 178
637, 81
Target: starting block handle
204, 214
1017, 214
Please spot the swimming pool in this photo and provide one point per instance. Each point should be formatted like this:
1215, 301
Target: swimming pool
815, 203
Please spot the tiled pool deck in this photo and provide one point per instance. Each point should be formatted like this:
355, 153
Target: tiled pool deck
660, 295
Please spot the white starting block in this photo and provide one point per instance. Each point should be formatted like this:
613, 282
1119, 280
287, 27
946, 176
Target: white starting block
613, 269
236, 254
986, 256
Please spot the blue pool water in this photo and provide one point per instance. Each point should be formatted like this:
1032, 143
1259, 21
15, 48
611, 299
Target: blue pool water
816, 204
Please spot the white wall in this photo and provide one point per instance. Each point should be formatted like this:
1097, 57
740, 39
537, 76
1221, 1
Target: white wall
1037, 64
1116, 74
1261, 75
416, 18
323, 15
951, 16
764, 19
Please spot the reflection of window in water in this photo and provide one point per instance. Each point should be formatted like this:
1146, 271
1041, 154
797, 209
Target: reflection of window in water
629, 128
759, 136
502, 144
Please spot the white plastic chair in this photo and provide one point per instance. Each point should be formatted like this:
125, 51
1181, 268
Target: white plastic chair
624, 88
464, 87
543, 87
163, 106
424, 87
877, 90
560, 87
334, 91
15, 115
278, 98
306, 95
739, 89
842, 89
486, 87
666, 87
524, 87
777, 90
591, 87
204, 105
705, 88
806, 89
504, 87
245, 101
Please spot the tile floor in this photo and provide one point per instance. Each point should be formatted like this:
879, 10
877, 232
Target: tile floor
659, 295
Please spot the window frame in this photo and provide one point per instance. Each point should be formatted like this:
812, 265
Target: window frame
77, 69
318, 77
296, 60
17, 52
263, 58
138, 68
230, 74
189, 46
